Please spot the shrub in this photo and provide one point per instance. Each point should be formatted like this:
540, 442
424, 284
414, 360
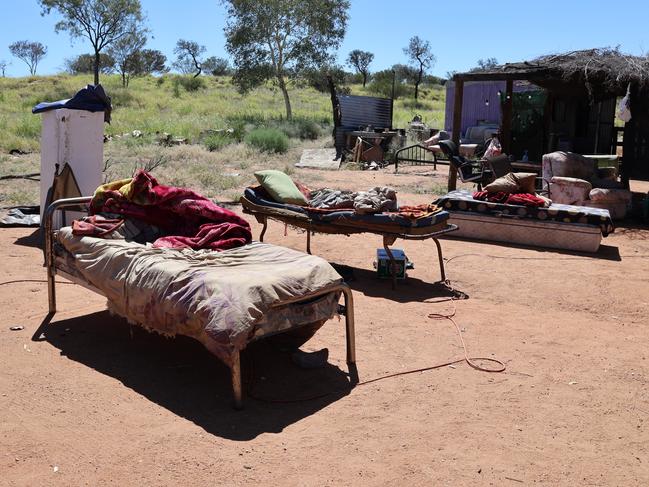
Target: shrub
214, 142
308, 129
191, 84
268, 140
303, 129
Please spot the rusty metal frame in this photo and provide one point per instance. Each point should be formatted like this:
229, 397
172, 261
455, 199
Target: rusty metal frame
237, 384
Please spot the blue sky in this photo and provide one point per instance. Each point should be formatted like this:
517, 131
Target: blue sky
460, 32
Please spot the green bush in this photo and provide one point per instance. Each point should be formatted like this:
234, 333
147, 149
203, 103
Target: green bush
191, 84
214, 142
267, 140
303, 129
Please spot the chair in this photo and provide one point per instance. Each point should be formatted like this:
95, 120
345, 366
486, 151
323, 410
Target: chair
499, 165
468, 171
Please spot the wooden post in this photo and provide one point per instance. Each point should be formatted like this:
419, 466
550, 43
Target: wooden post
506, 136
457, 127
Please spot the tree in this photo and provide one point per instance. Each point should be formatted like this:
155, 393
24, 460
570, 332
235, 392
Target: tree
29, 52
148, 61
450, 74
3, 66
360, 61
419, 54
216, 66
404, 73
484, 64
85, 63
188, 54
102, 22
123, 50
280, 39
382, 84
317, 78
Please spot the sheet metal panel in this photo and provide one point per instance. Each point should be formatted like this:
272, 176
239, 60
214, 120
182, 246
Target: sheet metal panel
361, 111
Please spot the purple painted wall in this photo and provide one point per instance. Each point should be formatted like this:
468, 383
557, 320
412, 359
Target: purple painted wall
474, 106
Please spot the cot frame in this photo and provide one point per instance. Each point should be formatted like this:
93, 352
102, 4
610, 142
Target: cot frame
237, 385
263, 214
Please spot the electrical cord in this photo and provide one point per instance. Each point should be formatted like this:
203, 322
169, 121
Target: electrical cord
471, 361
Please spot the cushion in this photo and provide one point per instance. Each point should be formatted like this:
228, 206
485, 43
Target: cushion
526, 181
567, 164
281, 187
569, 191
612, 195
506, 184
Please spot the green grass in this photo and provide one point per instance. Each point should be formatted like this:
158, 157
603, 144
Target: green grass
215, 120
150, 106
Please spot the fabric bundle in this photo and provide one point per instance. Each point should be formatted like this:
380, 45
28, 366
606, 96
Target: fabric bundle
514, 188
187, 219
376, 200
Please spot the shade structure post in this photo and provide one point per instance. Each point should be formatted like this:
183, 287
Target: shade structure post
457, 128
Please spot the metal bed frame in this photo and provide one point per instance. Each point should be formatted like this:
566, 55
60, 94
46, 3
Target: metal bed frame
237, 384
417, 155
311, 226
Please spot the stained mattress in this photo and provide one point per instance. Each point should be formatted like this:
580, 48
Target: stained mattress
462, 201
223, 299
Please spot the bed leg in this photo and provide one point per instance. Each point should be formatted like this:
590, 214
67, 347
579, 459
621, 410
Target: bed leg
49, 262
441, 259
51, 291
263, 230
237, 386
349, 325
308, 242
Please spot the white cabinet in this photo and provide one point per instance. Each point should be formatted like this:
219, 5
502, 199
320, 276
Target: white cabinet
75, 137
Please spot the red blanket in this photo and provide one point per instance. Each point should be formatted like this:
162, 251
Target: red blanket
190, 220
524, 199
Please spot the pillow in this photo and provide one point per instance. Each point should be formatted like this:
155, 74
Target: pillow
506, 184
525, 181
513, 182
281, 187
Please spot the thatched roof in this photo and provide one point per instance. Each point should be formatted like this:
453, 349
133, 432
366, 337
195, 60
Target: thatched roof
601, 73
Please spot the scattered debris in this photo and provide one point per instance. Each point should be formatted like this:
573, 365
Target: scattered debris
32, 176
136, 133
17, 152
168, 139
572, 383
17, 328
26, 348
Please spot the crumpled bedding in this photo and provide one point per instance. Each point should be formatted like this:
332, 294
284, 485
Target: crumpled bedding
187, 219
376, 200
523, 199
214, 297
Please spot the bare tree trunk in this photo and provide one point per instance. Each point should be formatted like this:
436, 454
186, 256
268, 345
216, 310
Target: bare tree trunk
287, 101
419, 76
97, 61
364, 79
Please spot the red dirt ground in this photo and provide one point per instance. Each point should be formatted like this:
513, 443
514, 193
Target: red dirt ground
92, 405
